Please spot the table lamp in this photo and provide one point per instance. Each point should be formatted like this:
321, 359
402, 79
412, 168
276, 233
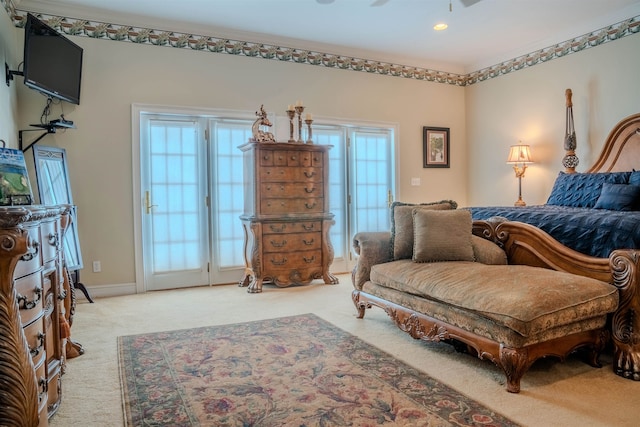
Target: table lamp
519, 157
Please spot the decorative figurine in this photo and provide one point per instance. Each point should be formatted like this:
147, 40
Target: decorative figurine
260, 135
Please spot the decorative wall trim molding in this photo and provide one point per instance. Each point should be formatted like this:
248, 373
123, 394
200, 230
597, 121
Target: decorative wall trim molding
124, 33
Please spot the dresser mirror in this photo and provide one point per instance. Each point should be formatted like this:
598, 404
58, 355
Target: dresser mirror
53, 189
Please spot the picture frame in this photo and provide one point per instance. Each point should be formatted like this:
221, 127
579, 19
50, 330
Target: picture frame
435, 147
15, 188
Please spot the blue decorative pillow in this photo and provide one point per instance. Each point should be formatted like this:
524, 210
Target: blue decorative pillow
619, 197
634, 179
581, 190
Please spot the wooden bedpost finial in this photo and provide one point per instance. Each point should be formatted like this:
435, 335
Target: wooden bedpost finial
570, 160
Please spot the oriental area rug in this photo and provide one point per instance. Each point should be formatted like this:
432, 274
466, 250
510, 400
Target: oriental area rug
291, 371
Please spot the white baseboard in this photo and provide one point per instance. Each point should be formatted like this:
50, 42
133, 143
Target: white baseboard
104, 291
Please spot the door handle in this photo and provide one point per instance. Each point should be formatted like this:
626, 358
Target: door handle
147, 202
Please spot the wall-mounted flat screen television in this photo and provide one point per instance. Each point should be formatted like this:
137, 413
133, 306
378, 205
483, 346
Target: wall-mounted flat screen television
52, 62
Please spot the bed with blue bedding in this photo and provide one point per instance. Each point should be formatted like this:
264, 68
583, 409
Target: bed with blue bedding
592, 213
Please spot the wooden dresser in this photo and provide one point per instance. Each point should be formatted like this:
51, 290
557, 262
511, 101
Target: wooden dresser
286, 216
34, 326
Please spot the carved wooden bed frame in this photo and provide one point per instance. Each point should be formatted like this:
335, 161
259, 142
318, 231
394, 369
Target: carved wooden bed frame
621, 152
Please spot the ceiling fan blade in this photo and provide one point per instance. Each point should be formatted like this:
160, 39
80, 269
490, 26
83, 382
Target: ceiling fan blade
467, 3
379, 2
325, 1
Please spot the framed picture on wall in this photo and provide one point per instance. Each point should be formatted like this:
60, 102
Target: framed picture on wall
435, 147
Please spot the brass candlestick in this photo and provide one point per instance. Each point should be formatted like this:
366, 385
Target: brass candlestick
310, 136
291, 114
299, 110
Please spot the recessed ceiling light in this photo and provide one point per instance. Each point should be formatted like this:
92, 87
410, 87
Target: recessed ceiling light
440, 27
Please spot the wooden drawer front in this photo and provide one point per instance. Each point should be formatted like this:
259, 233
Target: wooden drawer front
50, 240
289, 260
273, 158
32, 260
55, 391
292, 190
51, 329
29, 296
280, 174
291, 242
41, 377
36, 338
292, 227
286, 206
310, 158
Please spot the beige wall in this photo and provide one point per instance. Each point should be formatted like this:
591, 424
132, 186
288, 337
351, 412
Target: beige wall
529, 105
9, 37
116, 75
484, 119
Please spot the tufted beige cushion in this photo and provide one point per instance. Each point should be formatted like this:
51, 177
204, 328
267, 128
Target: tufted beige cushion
402, 225
442, 236
487, 252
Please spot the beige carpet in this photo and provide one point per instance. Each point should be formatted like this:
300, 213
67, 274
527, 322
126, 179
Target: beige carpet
553, 393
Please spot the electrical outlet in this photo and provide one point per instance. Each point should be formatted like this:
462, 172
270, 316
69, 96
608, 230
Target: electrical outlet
97, 267
415, 182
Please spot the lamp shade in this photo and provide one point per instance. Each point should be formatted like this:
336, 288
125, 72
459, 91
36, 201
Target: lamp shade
520, 154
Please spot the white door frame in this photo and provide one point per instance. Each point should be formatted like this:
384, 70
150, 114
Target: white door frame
138, 196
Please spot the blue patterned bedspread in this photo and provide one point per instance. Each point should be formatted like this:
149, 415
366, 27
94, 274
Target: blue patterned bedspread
594, 232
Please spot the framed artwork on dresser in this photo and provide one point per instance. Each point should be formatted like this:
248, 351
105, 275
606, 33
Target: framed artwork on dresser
435, 147
15, 188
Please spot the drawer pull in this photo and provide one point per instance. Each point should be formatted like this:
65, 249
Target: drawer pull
36, 351
308, 227
44, 388
293, 158
309, 260
278, 244
309, 190
265, 157
278, 229
308, 242
31, 254
25, 304
309, 174
310, 206
53, 240
282, 262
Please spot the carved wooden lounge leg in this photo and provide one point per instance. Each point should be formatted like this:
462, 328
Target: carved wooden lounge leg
360, 306
596, 348
514, 363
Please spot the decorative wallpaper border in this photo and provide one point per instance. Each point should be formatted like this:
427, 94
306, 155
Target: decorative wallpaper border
123, 33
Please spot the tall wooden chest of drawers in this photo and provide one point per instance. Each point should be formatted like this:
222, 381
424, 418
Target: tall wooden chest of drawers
286, 216
33, 322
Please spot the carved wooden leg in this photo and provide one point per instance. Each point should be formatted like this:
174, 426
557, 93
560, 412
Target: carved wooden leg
625, 325
360, 306
514, 363
596, 348
627, 361
73, 348
330, 279
255, 286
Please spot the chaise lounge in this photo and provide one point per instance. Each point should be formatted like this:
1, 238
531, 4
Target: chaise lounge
502, 290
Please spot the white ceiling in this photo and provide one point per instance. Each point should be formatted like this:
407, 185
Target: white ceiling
400, 31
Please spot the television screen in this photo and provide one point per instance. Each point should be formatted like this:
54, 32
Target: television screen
52, 63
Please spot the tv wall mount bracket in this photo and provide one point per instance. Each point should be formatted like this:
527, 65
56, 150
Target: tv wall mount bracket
10, 73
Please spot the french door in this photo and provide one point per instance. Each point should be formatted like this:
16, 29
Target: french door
191, 194
361, 183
